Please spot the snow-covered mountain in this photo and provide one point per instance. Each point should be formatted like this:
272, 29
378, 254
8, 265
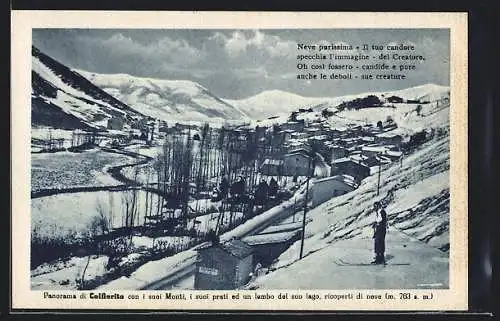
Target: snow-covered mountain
434, 112
272, 103
61, 98
275, 103
169, 100
427, 92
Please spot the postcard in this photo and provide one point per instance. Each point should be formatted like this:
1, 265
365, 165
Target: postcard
175, 161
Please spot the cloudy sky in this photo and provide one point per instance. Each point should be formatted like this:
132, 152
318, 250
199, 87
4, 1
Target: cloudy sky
238, 63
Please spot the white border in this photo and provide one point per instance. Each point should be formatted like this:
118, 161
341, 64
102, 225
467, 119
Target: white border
22, 24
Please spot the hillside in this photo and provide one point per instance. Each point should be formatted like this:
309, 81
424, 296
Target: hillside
433, 114
339, 237
62, 98
169, 100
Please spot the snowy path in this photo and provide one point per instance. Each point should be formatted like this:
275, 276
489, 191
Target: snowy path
412, 264
111, 174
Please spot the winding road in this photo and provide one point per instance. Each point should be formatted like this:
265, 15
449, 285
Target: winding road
113, 171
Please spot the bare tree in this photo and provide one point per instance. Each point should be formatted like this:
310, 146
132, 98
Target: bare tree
99, 225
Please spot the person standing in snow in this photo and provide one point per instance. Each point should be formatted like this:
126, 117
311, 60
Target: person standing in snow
273, 187
380, 228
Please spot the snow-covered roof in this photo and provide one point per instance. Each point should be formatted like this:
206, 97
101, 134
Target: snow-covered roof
270, 238
371, 161
282, 227
276, 162
389, 134
341, 160
349, 140
301, 151
346, 179
394, 153
378, 149
358, 157
237, 248
319, 137
384, 159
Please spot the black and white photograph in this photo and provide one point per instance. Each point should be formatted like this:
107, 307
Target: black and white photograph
227, 161
240, 159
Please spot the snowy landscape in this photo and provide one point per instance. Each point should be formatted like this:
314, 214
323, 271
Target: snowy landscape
134, 178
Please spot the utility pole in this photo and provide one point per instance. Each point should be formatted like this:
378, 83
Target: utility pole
305, 208
294, 208
378, 183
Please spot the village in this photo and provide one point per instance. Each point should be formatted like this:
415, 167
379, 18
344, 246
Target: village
191, 183
157, 181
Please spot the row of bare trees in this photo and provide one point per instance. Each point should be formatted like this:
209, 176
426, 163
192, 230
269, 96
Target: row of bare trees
190, 164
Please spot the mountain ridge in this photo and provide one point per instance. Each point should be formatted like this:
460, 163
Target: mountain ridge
181, 100
277, 102
64, 99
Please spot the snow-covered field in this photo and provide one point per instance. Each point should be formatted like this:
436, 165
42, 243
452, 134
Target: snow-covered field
62, 215
66, 273
68, 169
417, 197
404, 115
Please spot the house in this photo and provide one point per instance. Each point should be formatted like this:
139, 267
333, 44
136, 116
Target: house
370, 151
287, 134
319, 138
310, 132
296, 126
326, 188
271, 167
300, 135
260, 131
348, 142
182, 127
223, 266
297, 163
393, 155
347, 166
268, 247
115, 123
389, 138
338, 152
356, 129
294, 144
368, 139
163, 127
338, 132
374, 162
